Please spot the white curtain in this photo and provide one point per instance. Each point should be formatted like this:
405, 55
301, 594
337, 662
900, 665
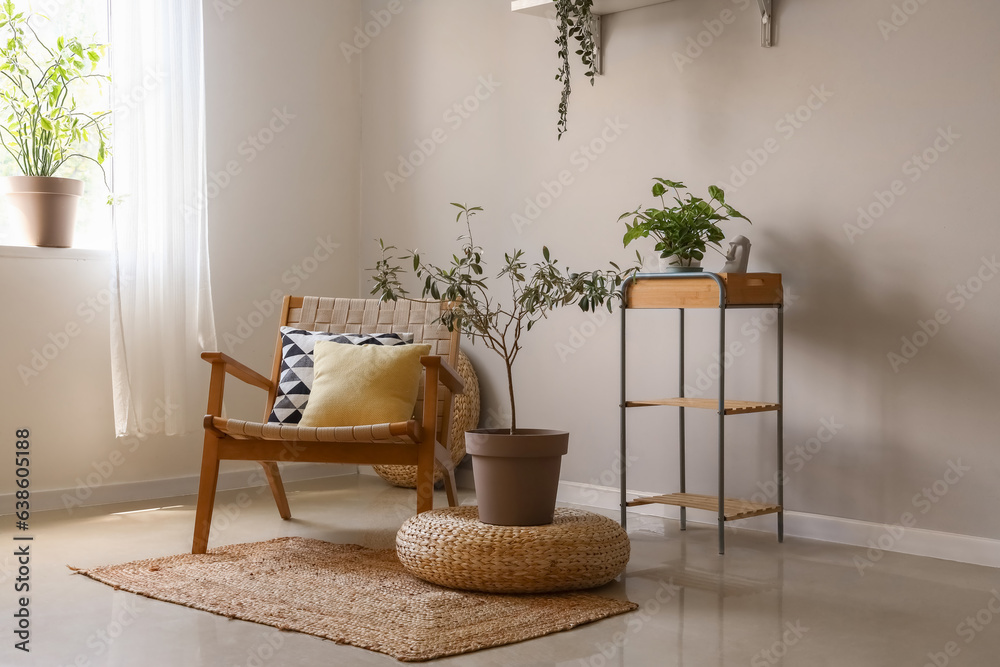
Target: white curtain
162, 317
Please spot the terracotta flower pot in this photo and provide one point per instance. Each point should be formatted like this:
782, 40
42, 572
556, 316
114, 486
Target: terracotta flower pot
46, 206
516, 476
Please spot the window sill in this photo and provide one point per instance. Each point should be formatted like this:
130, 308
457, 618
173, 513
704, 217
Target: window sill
32, 252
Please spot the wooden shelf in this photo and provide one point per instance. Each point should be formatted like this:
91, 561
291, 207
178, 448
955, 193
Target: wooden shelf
742, 289
734, 508
546, 8
732, 407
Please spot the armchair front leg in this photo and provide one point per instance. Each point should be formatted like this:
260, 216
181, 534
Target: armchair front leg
222, 365
206, 493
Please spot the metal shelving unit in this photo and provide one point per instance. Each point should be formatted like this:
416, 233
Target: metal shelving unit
681, 291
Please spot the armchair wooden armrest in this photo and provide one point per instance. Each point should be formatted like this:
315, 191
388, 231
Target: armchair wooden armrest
448, 376
237, 370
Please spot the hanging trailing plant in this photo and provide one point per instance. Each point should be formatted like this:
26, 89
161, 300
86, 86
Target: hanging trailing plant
575, 23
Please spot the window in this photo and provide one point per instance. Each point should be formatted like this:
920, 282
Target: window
87, 20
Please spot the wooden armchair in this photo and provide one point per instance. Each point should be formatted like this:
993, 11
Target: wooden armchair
422, 441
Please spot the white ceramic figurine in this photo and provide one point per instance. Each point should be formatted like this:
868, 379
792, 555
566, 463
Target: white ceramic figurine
738, 256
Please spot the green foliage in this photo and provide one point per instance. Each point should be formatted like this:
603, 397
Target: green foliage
535, 290
41, 125
575, 22
684, 230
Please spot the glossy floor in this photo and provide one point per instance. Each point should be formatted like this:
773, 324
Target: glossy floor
802, 603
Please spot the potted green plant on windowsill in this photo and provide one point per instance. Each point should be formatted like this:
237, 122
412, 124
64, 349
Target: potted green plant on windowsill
683, 231
516, 469
42, 126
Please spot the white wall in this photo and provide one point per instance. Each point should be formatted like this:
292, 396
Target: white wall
298, 184
271, 229
56, 365
853, 301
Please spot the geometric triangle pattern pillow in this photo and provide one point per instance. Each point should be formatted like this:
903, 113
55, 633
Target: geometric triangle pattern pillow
295, 377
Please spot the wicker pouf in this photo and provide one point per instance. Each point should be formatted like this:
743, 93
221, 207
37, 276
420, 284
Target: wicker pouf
451, 547
465, 417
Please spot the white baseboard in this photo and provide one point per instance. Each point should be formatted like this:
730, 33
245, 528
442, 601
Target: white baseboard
106, 494
877, 537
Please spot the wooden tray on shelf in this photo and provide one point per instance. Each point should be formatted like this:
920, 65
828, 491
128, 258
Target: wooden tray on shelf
742, 289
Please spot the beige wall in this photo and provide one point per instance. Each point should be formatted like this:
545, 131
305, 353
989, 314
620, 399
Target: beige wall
290, 195
853, 301
882, 100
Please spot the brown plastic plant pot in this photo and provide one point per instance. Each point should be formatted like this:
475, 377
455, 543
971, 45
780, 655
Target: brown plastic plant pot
517, 476
46, 206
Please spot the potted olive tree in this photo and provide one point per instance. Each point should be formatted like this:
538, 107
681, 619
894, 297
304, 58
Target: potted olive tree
516, 469
683, 230
42, 126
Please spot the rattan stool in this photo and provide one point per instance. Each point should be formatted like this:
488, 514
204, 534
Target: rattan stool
452, 547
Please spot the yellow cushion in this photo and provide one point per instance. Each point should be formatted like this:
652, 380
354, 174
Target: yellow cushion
355, 385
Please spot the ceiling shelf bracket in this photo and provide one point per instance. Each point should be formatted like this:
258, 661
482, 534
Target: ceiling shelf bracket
766, 23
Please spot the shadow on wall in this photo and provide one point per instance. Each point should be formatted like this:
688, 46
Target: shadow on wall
871, 329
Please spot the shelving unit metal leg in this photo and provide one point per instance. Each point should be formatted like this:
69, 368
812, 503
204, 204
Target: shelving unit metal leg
682, 432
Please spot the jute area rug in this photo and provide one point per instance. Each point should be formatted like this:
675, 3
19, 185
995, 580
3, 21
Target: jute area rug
351, 595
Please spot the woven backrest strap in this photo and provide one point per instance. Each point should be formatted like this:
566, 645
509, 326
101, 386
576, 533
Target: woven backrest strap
341, 315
